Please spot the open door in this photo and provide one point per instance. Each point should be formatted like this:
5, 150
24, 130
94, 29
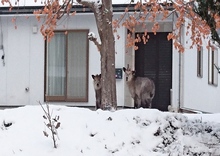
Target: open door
154, 60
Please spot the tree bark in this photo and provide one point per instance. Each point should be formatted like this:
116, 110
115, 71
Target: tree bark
107, 55
108, 75
103, 15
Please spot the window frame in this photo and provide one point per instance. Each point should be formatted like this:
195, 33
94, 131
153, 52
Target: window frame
212, 61
200, 61
65, 98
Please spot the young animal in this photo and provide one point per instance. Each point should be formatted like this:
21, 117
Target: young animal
142, 89
97, 88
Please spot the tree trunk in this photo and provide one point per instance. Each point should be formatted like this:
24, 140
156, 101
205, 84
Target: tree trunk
107, 56
103, 15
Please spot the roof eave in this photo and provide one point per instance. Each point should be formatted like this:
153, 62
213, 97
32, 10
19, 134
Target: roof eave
77, 8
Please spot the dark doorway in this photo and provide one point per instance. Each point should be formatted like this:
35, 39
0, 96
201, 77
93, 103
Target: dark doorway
154, 60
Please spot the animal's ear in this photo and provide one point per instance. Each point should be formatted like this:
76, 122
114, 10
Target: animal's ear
100, 75
93, 76
124, 69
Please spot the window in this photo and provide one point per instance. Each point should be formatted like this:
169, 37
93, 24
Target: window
213, 61
200, 61
66, 76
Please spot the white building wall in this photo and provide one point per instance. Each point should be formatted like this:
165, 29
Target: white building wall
24, 67
198, 94
17, 55
175, 99
23, 62
36, 58
24, 58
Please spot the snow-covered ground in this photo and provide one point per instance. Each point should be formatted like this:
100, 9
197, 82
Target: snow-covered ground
128, 132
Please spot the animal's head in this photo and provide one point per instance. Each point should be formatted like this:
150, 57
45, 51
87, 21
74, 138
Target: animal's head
97, 81
129, 74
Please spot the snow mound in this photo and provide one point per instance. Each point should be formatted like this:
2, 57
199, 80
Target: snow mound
131, 132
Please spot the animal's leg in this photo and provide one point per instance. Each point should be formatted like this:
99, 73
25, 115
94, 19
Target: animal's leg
98, 101
135, 102
98, 104
143, 104
98, 96
146, 100
138, 102
148, 103
143, 100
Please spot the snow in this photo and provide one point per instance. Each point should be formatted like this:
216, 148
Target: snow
91, 35
98, 2
130, 132
41, 2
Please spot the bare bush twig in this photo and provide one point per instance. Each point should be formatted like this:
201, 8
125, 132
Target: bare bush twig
52, 124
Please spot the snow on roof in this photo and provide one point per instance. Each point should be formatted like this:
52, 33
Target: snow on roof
41, 2
28, 6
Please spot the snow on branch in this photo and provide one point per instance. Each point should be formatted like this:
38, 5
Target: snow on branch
90, 3
93, 38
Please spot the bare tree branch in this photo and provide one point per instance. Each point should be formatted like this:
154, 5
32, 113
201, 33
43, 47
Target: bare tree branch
92, 38
88, 4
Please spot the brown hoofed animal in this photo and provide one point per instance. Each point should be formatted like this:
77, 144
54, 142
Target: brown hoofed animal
142, 89
97, 88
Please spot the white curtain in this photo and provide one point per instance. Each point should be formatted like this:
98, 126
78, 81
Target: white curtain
56, 66
77, 65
